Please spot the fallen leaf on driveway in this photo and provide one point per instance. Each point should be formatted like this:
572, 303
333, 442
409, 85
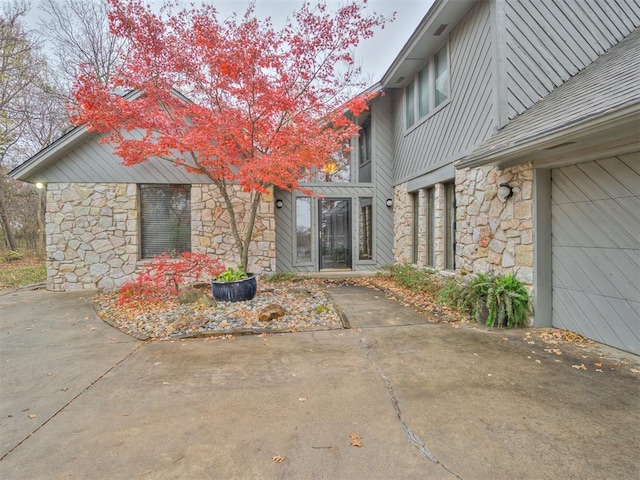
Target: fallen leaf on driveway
277, 459
32, 415
355, 440
597, 364
303, 399
633, 370
579, 367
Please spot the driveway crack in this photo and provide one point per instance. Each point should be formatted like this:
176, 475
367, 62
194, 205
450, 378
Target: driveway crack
412, 436
119, 362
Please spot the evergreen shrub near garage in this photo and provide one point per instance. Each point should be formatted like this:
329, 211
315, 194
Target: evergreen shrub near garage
492, 300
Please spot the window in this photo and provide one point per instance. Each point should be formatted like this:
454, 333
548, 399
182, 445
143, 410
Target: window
165, 219
303, 229
410, 104
450, 226
366, 229
415, 235
337, 169
429, 89
423, 91
431, 226
441, 65
364, 152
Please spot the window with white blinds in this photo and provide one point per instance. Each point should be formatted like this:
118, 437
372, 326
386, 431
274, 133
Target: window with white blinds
165, 219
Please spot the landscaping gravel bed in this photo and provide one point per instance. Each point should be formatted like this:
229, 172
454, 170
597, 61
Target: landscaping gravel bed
306, 303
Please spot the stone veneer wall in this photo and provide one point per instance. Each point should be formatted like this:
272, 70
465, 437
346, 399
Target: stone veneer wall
211, 231
491, 235
92, 233
402, 220
495, 236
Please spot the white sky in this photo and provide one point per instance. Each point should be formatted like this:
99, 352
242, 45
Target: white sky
375, 54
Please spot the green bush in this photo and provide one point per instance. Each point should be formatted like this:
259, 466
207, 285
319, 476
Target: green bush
508, 302
496, 300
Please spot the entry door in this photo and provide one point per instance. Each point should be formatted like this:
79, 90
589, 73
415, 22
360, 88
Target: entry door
335, 233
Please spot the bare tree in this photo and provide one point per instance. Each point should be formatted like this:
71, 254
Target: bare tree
32, 114
79, 32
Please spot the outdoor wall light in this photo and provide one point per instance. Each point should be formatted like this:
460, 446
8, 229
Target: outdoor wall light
389, 202
39, 185
279, 203
505, 191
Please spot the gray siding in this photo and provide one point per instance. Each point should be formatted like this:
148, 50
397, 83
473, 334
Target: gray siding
94, 162
549, 41
596, 250
469, 117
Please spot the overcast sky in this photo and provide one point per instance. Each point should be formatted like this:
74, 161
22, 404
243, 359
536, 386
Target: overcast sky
375, 54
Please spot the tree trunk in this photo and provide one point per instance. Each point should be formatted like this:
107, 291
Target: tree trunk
6, 226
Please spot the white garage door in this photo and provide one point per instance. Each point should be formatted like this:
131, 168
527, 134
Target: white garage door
596, 250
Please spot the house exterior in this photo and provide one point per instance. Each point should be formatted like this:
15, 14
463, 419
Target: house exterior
506, 140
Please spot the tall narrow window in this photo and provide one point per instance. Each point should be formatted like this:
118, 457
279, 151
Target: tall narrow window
165, 219
423, 91
450, 226
415, 226
366, 229
441, 66
431, 225
364, 152
409, 101
303, 230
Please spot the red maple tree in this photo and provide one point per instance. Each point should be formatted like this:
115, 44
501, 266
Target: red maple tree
236, 100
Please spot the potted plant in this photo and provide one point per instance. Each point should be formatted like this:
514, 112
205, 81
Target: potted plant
234, 285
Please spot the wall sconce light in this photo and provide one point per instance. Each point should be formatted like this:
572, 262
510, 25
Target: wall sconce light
279, 203
505, 191
39, 185
389, 202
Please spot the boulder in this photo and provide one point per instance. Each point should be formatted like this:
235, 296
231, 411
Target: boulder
271, 312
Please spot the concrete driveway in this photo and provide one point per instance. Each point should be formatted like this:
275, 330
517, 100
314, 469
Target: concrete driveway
80, 400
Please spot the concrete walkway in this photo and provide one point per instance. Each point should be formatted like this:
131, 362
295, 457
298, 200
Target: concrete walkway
80, 400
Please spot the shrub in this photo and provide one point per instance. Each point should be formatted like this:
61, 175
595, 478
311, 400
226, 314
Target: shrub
508, 302
164, 276
282, 277
496, 300
414, 278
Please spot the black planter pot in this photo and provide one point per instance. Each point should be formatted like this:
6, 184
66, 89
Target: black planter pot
238, 291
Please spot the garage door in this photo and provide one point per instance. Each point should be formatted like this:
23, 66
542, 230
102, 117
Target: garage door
596, 250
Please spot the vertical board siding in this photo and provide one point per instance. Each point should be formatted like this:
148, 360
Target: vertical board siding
468, 118
596, 250
549, 41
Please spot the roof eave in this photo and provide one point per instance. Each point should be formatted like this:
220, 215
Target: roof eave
526, 150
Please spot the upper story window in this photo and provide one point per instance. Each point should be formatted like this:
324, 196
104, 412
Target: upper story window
429, 89
364, 152
165, 219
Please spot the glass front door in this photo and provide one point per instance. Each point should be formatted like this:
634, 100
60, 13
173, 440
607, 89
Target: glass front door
335, 233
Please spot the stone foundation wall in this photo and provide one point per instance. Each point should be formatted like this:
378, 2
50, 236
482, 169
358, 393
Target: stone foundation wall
495, 236
402, 220
211, 230
92, 233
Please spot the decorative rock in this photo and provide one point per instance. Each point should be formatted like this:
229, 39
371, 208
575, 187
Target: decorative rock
271, 312
190, 295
